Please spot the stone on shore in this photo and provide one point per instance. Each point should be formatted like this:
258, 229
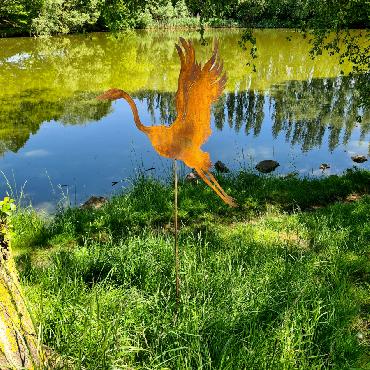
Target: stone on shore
221, 167
94, 202
359, 158
267, 166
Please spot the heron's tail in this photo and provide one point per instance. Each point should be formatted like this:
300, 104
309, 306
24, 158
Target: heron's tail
114, 94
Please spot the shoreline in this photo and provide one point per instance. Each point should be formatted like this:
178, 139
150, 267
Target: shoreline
169, 26
347, 186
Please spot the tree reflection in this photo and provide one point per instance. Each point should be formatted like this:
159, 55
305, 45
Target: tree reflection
307, 113
22, 115
58, 79
306, 110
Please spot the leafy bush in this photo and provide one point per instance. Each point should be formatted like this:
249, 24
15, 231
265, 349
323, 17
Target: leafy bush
144, 19
117, 15
65, 16
44, 17
251, 10
161, 10
181, 10
7, 207
16, 15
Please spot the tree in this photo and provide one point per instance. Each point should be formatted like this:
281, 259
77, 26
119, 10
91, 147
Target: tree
330, 23
19, 347
16, 15
66, 16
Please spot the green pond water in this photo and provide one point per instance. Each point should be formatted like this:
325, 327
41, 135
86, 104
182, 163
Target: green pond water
57, 139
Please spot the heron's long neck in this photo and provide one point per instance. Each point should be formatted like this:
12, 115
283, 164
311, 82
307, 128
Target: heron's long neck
135, 113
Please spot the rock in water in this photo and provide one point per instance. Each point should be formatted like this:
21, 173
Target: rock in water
192, 177
221, 167
359, 158
267, 166
324, 166
94, 202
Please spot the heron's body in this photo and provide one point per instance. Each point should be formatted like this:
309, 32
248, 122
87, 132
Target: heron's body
198, 88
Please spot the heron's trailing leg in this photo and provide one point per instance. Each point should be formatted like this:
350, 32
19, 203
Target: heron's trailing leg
213, 179
210, 176
215, 183
230, 200
226, 198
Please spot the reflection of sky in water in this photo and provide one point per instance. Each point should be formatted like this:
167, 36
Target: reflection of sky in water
17, 58
87, 158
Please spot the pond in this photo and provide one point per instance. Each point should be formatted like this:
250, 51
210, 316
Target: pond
57, 139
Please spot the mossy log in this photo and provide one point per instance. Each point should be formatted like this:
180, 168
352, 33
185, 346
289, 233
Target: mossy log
19, 347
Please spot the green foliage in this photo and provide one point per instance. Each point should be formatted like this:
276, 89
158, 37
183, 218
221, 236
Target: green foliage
181, 10
66, 16
285, 290
118, 14
31, 228
161, 10
251, 11
7, 207
16, 15
13, 13
339, 17
144, 19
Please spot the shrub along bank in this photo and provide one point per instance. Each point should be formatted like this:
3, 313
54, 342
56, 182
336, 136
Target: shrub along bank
45, 17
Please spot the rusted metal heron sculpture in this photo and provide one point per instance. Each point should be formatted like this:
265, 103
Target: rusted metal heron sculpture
198, 88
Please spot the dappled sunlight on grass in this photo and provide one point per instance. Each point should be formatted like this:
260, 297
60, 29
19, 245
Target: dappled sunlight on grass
268, 287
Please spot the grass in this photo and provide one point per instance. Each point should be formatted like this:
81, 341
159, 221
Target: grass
282, 282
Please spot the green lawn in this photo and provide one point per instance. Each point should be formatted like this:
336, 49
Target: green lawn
282, 282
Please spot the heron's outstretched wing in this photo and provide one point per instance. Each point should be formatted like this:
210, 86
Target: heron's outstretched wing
198, 88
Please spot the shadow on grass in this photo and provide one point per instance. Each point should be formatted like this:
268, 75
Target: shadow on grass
149, 203
254, 296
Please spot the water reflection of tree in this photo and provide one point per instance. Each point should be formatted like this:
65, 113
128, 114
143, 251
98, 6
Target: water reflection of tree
21, 115
42, 80
148, 59
303, 111
163, 102
306, 110
243, 108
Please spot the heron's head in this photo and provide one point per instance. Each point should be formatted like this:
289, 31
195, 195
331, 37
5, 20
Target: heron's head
111, 94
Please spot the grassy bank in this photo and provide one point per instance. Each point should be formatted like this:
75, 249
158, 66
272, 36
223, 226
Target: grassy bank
282, 282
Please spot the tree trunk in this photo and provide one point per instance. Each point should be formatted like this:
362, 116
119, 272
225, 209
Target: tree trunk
19, 347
